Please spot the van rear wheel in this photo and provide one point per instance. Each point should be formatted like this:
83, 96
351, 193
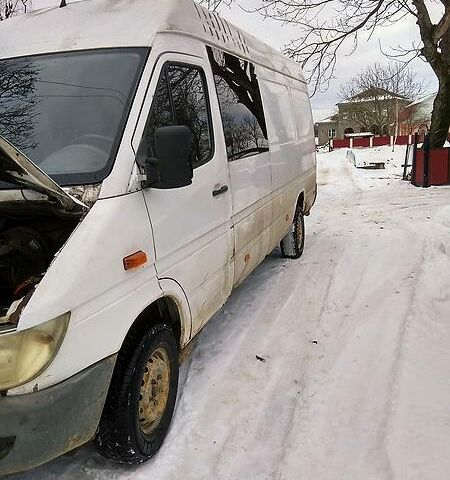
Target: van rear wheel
293, 243
141, 398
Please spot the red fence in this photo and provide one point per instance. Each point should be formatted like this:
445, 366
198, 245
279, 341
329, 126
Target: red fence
341, 143
361, 142
381, 141
367, 142
438, 167
404, 140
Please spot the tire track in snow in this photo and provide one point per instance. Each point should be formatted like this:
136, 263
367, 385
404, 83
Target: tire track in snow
323, 469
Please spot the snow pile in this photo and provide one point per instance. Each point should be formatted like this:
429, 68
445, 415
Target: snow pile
392, 158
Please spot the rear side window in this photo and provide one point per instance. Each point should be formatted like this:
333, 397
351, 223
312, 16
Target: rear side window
181, 98
280, 119
240, 103
303, 115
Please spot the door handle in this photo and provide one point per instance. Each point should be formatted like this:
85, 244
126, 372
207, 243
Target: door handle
220, 191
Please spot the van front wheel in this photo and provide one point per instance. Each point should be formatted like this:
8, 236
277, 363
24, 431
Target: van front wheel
141, 398
293, 243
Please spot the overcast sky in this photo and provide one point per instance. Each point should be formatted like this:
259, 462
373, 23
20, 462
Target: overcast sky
402, 33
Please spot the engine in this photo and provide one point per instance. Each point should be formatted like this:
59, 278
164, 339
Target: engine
23, 260
27, 247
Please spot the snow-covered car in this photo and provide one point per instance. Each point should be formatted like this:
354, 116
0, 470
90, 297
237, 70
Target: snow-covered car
151, 156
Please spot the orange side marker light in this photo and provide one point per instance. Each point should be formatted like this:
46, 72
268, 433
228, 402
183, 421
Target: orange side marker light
135, 260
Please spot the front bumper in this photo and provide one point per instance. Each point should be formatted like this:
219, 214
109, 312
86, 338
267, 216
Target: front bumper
41, 426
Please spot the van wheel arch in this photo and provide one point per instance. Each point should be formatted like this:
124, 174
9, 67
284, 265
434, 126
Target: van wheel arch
155, 333
292, 245
163, 311
300, 202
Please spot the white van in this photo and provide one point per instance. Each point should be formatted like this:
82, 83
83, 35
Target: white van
151, 156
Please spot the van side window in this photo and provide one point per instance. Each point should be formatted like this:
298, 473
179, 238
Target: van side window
181, 98
280, 119
303, 115
161, 112
240, 103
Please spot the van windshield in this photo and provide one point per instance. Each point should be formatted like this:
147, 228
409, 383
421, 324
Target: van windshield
67, 112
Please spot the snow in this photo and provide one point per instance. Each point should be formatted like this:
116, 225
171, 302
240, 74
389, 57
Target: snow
392, 158
355, 338
324, 115
425, 104
359, 135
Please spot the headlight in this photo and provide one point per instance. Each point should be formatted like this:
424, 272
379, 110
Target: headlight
24, 355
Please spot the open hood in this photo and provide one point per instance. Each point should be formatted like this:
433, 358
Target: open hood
17, 169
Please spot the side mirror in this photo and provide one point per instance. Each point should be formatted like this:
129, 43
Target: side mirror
171, 167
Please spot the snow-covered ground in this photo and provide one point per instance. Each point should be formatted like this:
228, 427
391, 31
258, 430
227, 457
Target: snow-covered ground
356, 341
392, 159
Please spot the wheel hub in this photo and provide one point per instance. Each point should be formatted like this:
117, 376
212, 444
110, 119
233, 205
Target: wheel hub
154, 391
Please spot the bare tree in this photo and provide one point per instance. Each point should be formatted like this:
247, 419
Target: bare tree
8, 8
214, 4
377, 97
414, 118
17, 101
251, 130
329, 26
241, 78
417, 115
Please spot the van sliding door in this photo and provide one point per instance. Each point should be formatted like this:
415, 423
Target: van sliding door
245, 132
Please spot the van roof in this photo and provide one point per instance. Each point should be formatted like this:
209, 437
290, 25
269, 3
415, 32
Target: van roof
89, 24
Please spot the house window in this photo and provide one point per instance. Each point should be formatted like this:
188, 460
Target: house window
331, 133
241, 105
344, 116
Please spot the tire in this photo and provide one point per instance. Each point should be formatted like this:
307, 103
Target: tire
293, 243
141, 398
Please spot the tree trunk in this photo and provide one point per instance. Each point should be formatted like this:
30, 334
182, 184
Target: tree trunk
440, 120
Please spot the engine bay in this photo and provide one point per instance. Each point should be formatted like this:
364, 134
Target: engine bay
28, 243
